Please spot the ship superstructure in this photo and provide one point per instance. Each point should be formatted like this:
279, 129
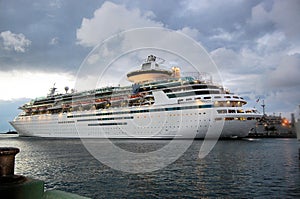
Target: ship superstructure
159, 104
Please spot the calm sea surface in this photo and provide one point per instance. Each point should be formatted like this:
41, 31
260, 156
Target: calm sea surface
260, 168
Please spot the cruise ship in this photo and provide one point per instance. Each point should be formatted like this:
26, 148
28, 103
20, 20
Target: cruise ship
157, 104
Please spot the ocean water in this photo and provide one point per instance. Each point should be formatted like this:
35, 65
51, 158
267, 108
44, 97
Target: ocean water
247, 168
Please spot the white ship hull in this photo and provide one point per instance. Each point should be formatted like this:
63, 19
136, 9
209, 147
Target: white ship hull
190, 122
160, 104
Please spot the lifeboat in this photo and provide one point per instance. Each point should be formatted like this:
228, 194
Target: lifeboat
99, 100
135, 96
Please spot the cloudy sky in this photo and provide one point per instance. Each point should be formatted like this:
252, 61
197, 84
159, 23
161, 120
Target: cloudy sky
255, 44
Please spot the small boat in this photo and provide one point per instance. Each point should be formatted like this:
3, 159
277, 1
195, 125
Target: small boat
9, 134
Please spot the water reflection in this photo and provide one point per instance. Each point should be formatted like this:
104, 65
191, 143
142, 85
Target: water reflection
239, 168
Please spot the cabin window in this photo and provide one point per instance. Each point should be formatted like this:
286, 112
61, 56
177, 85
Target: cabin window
231, 111
222, 111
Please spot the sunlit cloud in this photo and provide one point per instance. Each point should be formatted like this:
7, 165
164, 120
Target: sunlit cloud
26, 84
96, 29
16, 42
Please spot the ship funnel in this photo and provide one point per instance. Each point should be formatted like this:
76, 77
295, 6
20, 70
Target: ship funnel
150, 71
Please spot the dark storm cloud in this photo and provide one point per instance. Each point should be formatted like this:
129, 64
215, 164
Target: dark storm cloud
41, 22
212, 17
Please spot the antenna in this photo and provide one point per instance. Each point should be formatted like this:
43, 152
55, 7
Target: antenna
263, 106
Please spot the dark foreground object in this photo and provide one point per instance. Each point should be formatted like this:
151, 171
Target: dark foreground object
17, 186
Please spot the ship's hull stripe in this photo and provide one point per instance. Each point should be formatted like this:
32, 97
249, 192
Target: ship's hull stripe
108, 124
102, 119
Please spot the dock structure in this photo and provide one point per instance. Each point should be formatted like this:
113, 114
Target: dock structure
274, 126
